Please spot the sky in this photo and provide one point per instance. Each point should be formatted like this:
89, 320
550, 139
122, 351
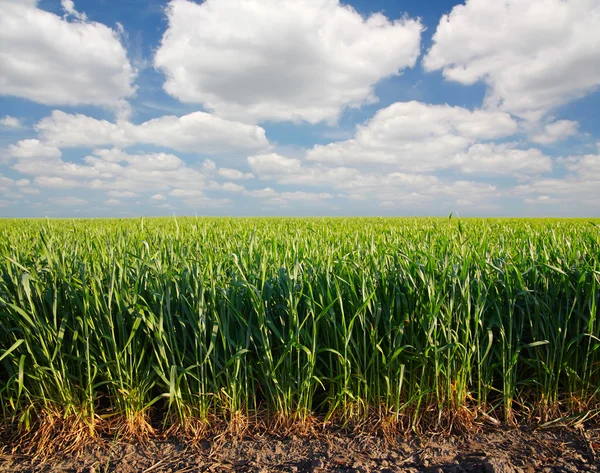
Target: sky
299, 107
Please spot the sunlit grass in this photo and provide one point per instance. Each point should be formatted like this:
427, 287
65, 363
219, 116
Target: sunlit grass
182, 324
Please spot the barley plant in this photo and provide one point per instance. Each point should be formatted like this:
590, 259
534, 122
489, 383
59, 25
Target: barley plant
183, 325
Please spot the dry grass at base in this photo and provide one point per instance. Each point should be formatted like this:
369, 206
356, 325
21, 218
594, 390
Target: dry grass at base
54, 433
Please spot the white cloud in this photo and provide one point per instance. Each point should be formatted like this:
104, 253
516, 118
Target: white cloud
113, 170
542, 199
142, 172
69, 8
587, 166
493, 159
416, 137
49, 60
33, 149
413, 190
29, 191
577, 189
57, 168
267, 192
208, 165
300, 60
272, 164
6, 182
291, 171
158, 197
56, 182
234, 174
196, 132
121, 194
112, 159
398, 189
10, 122
113, 202
305, 197
200, 202
232, 187
66, 130
533, 55
186, 193
322, 175
272, 197
556, 131
69, 200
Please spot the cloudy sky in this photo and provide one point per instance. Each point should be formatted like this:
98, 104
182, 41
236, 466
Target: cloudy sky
299, 107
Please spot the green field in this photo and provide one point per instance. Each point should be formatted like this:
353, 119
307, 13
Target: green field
189, 323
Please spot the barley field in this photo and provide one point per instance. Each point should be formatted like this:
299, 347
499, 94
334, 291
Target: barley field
169, 325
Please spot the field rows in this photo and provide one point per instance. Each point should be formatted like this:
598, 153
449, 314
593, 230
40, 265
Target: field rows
412, 322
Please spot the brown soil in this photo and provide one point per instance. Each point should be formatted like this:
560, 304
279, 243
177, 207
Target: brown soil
494, 450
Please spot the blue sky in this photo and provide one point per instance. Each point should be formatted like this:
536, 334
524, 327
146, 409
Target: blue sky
314, 107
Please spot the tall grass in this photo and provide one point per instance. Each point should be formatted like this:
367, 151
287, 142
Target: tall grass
163, 323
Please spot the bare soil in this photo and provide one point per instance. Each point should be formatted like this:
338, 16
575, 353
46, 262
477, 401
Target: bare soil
493, 450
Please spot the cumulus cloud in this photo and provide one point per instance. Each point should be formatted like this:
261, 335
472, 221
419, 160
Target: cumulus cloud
291, 171
8, 186
299, 60
113, 202
542, 199
186, 193
33, 149
577, 189
69, 200
234, 174
414, 136
587, 166
55, 182
69, 8
196, 132
273, 164
494, 159
10, 122
556, 131
393, 157
41, 52
121, 194
114, 171
533, 55
390, 189
198, 203
270, 196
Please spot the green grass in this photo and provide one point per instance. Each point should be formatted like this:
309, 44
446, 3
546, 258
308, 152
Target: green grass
413, 322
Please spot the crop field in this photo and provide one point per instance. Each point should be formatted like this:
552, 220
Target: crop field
187, 325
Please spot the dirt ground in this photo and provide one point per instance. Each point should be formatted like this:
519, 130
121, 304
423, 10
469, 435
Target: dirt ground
494, 450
